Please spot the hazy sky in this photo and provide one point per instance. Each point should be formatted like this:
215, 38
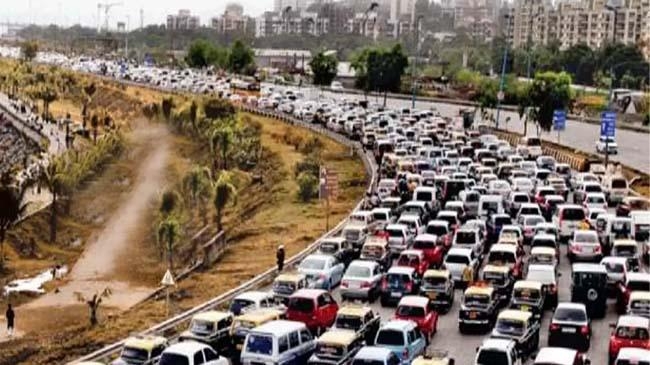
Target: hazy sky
68, 12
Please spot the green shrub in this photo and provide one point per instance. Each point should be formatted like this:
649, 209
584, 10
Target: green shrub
310, 164
307, 186
218, 108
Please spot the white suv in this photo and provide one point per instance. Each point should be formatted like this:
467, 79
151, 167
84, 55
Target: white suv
191, 353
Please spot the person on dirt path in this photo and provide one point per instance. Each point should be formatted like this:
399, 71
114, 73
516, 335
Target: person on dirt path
10, 315
279, 255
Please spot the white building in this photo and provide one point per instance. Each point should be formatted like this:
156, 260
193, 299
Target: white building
184, 20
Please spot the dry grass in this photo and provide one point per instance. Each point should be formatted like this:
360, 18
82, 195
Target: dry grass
265, 215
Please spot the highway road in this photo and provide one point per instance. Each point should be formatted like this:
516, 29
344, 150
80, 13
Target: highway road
634, 147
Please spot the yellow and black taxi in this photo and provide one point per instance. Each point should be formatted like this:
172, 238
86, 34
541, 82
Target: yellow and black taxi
210, 327
518, 326
244, 323
141, 350
478, 308
285, 285
528, 296
360, 319
639, 304
438, 286
336, 347
501, 279
434, 357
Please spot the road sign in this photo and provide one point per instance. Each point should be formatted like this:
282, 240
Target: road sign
168, 279
329, 184
500, 96
608, 124
559, 120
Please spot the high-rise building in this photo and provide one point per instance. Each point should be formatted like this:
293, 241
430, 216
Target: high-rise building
232, 20
273, 23
184, 20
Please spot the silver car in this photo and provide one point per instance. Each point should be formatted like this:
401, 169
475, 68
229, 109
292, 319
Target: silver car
585, 246
361, 281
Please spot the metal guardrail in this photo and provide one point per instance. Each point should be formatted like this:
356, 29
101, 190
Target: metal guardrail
111, 350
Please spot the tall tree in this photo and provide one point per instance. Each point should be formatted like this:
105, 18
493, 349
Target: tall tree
221, 140
550, 91
324, 68
93, 302
198, 54
197, 185
55, 178
48, 95
94, 124
28, 50
241, 58
224, 192
168, 232
12, 209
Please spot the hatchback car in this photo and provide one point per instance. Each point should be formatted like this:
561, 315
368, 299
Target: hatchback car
570, 327
419, 310
398, 282
403, 338
628, 331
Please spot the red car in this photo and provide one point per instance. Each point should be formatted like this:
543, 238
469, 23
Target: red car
434, 250
634, 281
629, 331
414, 259
314, 307
418, 309
440, 229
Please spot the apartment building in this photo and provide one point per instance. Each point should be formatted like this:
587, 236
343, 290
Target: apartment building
232, 20
274, 23
184, 20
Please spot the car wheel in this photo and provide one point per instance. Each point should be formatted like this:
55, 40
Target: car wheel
461, 328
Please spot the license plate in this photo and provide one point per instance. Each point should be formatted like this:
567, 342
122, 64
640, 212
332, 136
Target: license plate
472, 315
396, 295
525, 308
568, 330
433, 295
239, 346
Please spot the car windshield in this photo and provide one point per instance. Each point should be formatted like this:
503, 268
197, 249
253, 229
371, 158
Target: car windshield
570, 315
388, 337
351, 234
174, 359
587, 237
424, 196
632, 333
410, 311
329, 247
492, 357
284, 286
437, 230
499, 221
477, 300
304, 305
132, 353
574, 214
510, 326
526, 294
424, 244
465, 238
434, 282
521, 199
457, 259
257, 344
642, 304
358, 271
380, 216
590, 279
543, 242
625, 250
408, 260
533, 221
395, 233
200, 327
312, 264
638, 285
614, 267
348, 322
619, 184
495, 277
394, 279
502, 257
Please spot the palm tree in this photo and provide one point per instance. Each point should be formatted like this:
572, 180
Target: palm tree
55, 179
94, 123
93, 303
221, 139
168, 202
12, 209
48, 95
224, 192
197, 185
89, 90
168, 232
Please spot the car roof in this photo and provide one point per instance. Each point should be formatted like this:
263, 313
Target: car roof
572, 305
641, 295
556, 355
412, 253
212, 316
373, 353
542, 250
496, 268
363, 263
353, 310
397, 226
515, 314
280, 327
401, 270
638, 276
414, 300
308, 293
528, 284
319, 256
144, 342
503, 247
463, 251
253, 295
426, 237
634, 353
633, 321
398, 324
544, 236
581, 267
497, 343
337, 337
188, 348
479, 290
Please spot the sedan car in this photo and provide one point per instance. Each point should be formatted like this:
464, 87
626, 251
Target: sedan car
322, 271
585, 246
362, 280
570, 327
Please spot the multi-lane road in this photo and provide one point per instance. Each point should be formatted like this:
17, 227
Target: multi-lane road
634, 147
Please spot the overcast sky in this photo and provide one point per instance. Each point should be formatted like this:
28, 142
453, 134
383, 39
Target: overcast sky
69, 12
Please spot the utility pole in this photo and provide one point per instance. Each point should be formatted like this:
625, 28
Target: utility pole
503, 70
415, 60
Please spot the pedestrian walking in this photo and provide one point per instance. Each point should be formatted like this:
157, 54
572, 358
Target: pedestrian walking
10, 315
279, 255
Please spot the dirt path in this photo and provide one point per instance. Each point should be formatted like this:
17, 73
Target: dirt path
95, 268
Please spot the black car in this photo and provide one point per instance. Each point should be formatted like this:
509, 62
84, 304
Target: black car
570, 327
399, 281
494, 224
589, 286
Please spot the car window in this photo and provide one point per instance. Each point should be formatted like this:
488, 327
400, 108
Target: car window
305, 336
210, 354
156, 351
198, 358
283, 344
173, 359
411, 336
321, 300
390, 338
328, 298
294, 340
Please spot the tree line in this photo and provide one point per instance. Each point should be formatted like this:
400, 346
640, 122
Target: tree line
238, 58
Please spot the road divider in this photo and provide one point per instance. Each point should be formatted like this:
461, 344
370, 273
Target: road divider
171, 327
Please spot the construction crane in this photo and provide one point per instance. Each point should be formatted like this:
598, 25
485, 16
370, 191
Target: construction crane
107, 7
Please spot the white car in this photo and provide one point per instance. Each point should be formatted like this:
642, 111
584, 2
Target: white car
191, 353
595, 200
607, 144
336, 85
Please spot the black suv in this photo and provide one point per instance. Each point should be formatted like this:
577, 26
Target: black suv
589, 286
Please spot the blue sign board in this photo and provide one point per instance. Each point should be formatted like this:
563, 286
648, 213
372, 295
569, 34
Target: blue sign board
608, 124
559, 120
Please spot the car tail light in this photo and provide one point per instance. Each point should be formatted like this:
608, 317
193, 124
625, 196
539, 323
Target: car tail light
365, 284
552, 289
384, 283
344, 284
597, 248
584, 330
409, 286
405, 353
554, 327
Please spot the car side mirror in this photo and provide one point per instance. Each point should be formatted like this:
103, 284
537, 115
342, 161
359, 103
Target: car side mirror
612, 325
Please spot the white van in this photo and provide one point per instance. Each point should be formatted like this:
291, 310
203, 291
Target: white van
490, 204
641, 230
278, 342
615, 189
568, 218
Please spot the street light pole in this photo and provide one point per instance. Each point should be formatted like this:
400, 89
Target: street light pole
415, 60
503, 71
529, 47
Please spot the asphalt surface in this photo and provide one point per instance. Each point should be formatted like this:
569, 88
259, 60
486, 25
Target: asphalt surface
634, 147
